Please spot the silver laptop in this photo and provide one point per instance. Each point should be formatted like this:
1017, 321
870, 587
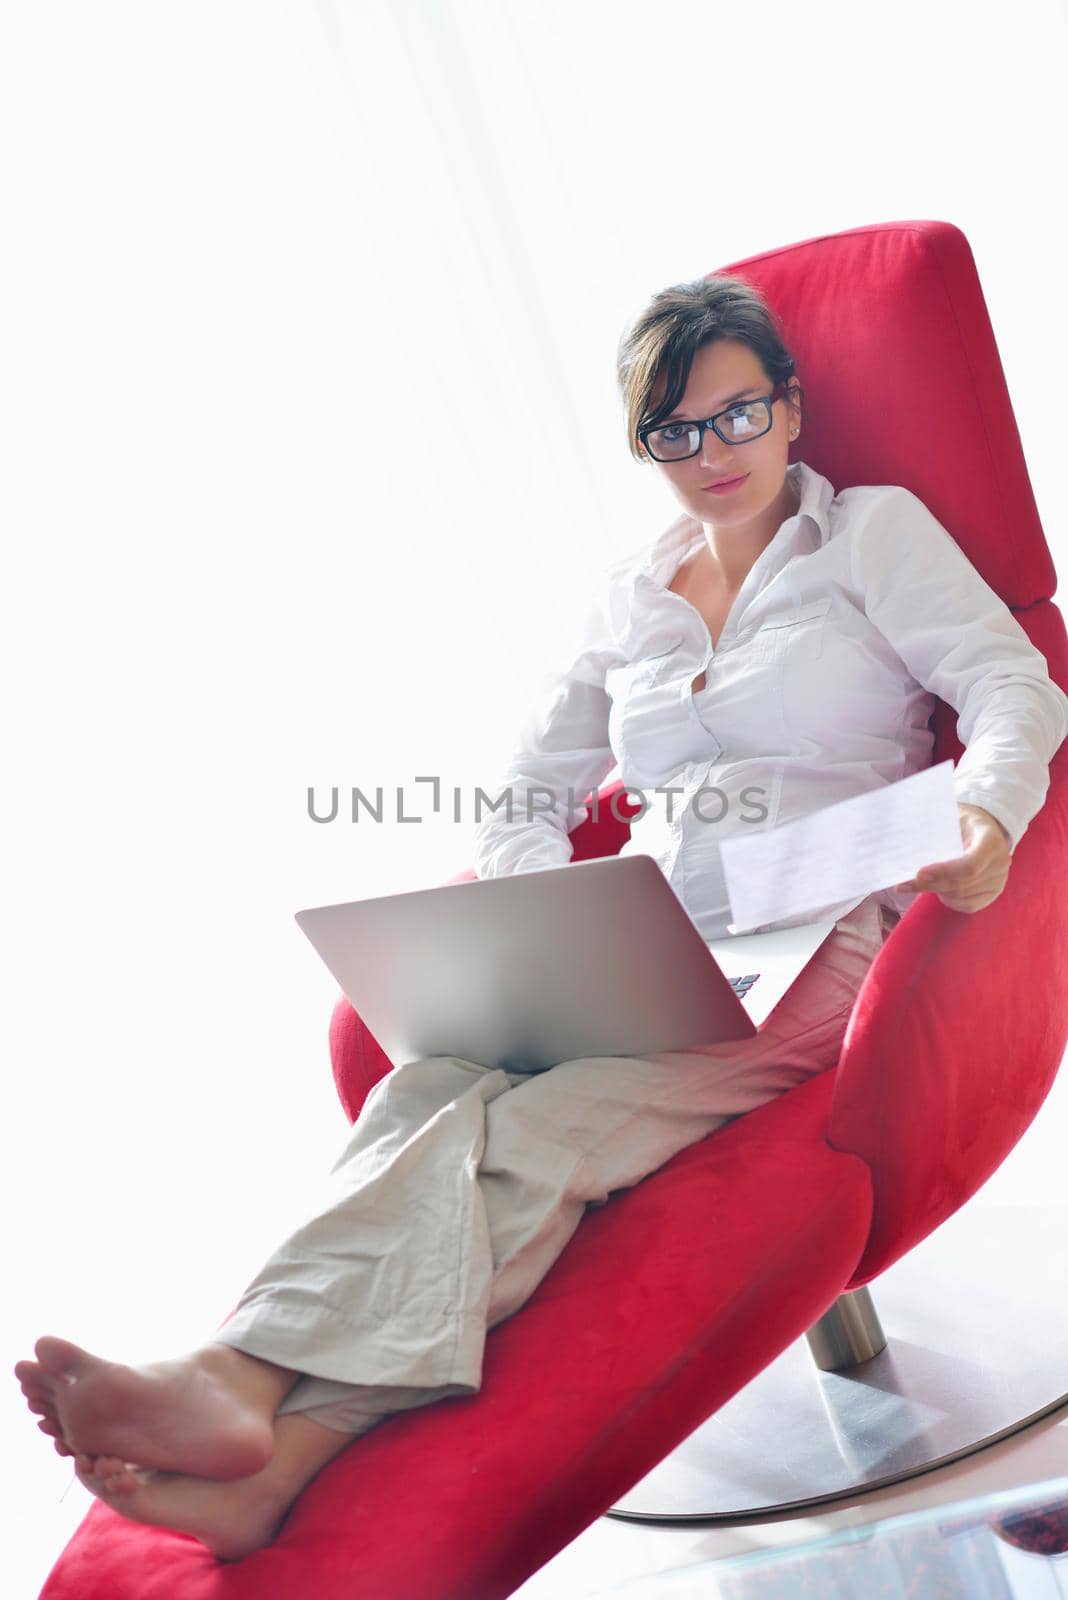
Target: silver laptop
523, 971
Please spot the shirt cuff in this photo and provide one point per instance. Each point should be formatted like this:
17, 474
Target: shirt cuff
978, 797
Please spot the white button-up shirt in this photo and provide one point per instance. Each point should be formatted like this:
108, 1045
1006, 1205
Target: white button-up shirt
860, 611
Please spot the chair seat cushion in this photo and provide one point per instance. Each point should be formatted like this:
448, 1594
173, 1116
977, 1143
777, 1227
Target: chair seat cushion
669, 1298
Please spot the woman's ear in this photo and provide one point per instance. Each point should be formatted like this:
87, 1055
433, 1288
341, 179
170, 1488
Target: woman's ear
793, 400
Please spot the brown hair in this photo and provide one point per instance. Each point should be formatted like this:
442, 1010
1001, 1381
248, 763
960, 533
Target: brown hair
667, 334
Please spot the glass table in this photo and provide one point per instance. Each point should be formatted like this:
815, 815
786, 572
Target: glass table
1010, 1546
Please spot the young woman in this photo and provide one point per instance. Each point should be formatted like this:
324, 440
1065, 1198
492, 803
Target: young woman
779, 647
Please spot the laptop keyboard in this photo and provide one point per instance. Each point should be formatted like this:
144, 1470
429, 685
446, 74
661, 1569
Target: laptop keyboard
742, 986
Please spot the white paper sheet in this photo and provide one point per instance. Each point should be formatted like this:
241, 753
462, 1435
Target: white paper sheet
850, 849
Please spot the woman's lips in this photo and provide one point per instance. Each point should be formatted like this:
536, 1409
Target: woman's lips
725, 485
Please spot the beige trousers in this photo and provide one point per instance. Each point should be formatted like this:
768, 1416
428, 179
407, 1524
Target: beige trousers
460, 1185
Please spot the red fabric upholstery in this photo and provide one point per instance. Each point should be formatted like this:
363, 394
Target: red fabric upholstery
944, 1065
890, 331
673, 1295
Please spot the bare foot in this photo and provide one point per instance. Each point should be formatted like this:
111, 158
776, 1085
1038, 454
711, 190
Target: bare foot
232, 1519
208, 1414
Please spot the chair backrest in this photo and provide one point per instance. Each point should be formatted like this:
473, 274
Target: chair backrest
903, 384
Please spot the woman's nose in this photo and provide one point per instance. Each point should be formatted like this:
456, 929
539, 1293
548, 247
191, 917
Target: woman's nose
713, 452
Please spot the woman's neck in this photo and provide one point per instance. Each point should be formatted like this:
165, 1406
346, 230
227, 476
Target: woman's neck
732, 551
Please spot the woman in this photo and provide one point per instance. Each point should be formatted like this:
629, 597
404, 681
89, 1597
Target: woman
780, 646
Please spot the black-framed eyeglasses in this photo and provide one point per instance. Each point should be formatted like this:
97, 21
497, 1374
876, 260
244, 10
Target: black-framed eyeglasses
737, 424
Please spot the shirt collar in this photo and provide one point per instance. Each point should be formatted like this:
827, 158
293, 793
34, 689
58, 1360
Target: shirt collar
663, 558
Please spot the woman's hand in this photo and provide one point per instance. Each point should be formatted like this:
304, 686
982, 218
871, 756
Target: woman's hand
977, 877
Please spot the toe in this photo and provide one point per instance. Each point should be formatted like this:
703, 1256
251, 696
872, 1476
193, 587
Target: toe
40, 1388
120, 1483
51, 1426
59, 1358
115, 1474
133, 1478
62, 1448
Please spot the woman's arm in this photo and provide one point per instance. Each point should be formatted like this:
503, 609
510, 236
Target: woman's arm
959, 639
562, 753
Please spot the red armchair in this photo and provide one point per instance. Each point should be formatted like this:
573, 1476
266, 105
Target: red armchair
676, 1294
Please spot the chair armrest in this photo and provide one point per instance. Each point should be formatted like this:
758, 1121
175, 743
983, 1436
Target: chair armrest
955, 1040
356, 1058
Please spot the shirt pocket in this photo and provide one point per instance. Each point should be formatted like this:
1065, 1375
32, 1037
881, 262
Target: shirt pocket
795, 635
632, 678
649, 660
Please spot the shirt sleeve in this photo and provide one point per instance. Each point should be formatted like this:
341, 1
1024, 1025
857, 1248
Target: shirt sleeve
561, 754
959, 640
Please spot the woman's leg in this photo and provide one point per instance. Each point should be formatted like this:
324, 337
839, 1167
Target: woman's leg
401, 1235
453, 1198
386, 1281
565, 1139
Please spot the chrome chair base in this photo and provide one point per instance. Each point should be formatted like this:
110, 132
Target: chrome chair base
976, 1319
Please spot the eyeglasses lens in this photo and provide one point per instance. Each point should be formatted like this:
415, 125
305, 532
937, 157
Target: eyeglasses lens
678, 440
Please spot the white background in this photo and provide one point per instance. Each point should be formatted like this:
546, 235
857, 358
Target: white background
312, 450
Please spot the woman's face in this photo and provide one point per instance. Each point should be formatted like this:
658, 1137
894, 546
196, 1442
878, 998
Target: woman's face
725, 370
